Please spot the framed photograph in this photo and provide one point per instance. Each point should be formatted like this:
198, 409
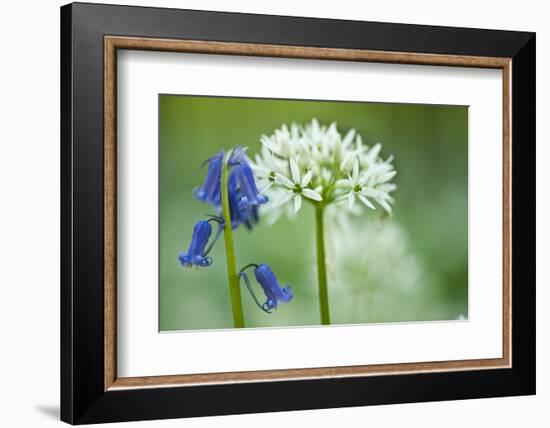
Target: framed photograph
265, 213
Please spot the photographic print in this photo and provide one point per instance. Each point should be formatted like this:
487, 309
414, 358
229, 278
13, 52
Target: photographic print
324, 187
278, 212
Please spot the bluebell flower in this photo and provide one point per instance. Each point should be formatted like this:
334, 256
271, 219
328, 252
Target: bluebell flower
210, 191
238, 156
243, 194
273, 291
196, 255
245, 215
244, 177
254, 214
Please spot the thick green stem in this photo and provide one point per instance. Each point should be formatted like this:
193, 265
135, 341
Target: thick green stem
234, 287
321, 266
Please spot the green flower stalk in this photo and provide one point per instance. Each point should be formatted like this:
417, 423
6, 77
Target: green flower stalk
232, 275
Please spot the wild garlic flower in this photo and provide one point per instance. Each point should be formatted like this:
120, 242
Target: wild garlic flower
296, 187
318, 163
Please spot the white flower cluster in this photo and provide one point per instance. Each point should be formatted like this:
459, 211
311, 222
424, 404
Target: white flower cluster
316, 162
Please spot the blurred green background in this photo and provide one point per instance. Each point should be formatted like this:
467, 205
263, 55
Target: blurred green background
409, 267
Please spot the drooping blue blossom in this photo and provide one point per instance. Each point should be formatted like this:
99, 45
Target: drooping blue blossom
249, 195
197, 253
238, 215
273, 291
243, 194
244, 197
245, 215
254, 214
210, 191
238, 156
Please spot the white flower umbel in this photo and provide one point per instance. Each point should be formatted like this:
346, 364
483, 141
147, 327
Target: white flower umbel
316, 163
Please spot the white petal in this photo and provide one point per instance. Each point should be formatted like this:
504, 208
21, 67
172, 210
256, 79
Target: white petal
273, 215
355, 173
326, 174
283, 200
315, 171
271, 146
285, 148
359, 143
387, 176
294, 130
297, 202
387, 187
294, 171
384, 205
366, 201
343, 183
363, 179
284, 180
351, 199
347, 163
373, 153
341, 198
348, 138
306, 179
375, 193
312, 194
266, 187
314, 125
264, 139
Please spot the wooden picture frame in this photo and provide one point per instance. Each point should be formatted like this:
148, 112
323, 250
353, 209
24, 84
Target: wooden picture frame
91, 390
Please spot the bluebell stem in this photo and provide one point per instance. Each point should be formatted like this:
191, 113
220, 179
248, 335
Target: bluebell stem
197, 253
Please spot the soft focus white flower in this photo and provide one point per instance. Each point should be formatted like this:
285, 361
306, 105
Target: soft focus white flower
374, 265
316, 162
